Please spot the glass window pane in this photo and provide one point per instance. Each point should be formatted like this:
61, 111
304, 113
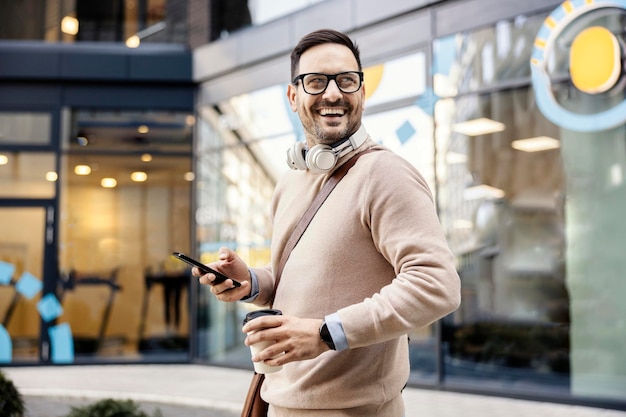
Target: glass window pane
503, 208
233, 195
408, 131
263, 11
268, 122
466, 62
534, 213
396, 79
27, 174
25, 128
125, 208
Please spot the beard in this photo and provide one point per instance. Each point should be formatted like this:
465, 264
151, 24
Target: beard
322, 129
328, 138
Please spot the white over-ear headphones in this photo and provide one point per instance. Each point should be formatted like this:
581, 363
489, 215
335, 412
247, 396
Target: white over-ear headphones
322, 158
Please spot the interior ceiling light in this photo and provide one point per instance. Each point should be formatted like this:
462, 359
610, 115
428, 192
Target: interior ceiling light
538, 144
69, 25
456, 158
51, 176
82, 140
4, 159
133, 41
139, 176
108, 182
146, 157
143, 129
477, 127
82, 170
463, 224
189, 176
617, 176
483, 191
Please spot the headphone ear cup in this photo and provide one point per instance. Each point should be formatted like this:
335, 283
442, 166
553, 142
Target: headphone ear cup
295, 156
320, 159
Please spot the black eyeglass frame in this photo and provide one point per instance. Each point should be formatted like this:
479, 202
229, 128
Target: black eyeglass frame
329, 77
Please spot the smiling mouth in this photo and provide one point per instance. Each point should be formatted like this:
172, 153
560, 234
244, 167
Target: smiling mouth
333, 112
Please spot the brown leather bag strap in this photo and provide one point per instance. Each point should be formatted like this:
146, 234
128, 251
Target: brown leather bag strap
308, 215
254, 406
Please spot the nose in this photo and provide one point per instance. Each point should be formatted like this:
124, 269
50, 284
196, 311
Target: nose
332, 91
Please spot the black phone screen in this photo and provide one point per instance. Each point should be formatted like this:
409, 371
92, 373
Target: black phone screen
219, 277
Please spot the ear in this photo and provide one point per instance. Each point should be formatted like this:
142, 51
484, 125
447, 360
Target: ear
292, 92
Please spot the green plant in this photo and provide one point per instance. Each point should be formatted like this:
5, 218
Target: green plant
111, 408
11, 402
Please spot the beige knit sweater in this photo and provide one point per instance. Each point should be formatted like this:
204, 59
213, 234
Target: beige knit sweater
375, 253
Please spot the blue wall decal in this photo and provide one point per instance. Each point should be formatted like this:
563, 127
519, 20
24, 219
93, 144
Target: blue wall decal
28, 285
6, 272
405, 132
49, 307
426, 101
62, 343
6, 346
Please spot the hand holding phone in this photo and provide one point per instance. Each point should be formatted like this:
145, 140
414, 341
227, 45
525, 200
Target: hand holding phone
219, 277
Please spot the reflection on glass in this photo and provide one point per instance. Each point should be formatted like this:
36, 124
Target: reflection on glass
232, 210
395, 79
408, 131
466, 62
535, 261
502, 207
504, 216
263, 11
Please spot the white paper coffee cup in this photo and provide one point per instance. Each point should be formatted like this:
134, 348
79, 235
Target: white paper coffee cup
262, 367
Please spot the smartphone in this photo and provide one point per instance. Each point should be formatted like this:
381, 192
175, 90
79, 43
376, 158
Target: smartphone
219, 277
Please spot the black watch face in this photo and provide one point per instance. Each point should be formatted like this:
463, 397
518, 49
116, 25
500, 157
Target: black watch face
326, 337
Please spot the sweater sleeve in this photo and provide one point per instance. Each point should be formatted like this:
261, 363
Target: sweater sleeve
398, 209
265, 282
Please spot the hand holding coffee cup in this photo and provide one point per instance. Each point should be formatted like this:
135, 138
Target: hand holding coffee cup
261, 367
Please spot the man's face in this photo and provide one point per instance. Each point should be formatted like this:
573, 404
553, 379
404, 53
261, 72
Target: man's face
332, 115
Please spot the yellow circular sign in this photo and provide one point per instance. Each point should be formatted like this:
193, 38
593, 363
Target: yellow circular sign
372, 77
595, 64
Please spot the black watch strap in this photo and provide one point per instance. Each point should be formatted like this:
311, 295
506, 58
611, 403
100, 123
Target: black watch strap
326, 337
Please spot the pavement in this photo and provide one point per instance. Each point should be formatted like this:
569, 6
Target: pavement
207, 391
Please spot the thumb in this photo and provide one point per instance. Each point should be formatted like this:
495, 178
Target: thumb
227, 255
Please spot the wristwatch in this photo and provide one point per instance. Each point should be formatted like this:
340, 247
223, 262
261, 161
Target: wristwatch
326, 337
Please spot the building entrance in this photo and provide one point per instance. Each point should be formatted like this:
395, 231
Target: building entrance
29, 331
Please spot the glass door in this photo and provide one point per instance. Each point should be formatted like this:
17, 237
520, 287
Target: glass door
25, 232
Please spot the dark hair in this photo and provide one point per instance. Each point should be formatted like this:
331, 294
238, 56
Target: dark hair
320, 37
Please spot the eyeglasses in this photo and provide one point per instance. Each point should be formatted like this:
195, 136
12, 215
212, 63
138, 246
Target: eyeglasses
315, 83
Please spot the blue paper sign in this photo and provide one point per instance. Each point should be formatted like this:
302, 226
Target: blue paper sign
49, 307
6, 346
6, 272
62, 343
28, 285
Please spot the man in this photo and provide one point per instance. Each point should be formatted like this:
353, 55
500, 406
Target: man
372, 266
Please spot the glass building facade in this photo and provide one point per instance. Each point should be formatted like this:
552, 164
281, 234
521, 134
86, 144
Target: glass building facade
488, 99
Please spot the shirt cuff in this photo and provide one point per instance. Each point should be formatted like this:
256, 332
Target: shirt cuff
254, 288
336, 331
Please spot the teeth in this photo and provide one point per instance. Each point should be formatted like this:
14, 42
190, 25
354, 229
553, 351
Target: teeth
325, 112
